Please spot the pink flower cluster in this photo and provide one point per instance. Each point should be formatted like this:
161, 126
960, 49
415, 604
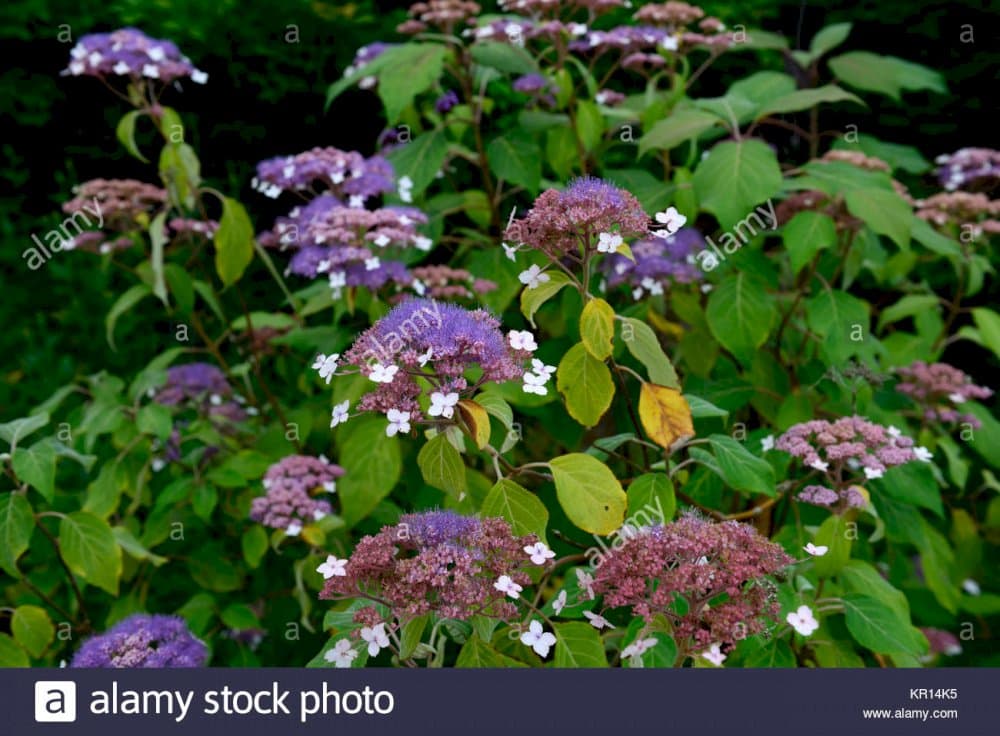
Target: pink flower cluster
935, 387
290, 485
719, 570
437, 562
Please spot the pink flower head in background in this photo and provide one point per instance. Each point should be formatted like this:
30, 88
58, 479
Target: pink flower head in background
937, 388
290, 486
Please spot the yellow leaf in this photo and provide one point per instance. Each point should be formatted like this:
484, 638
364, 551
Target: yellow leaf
597, 328
668, 328
476, 421
314, 535
665, 415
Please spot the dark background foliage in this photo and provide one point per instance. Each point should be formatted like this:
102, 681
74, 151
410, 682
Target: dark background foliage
266, 98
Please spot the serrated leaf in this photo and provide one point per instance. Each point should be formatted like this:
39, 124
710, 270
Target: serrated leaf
644, 346
586, 385
681, 125
578, 645
805, 99
652, 496
589, 493
420, 159
17, 522
124, 303
90, 550
442, 466
597, 328
665, 415
517, 158
533, 299
805, 235
234, 242
32, 629
739, 313
736, 176
520, 508
36, 465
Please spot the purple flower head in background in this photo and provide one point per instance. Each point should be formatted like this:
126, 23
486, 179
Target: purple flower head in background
342, 173
446, 102
129, 52
659, 263
430, 528
290, 484
968, 168
143, 640
446, 283
364, 56
937, 387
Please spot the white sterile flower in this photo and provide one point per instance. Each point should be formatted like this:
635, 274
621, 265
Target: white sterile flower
655, 287
541, 369
338, 280
326, 365
957, 397
923, 454
78, 52
637, 293
158, 464
406, 189
332, 568
873, 473
510, 251
803, 621
893, 431
669, 43
586, 582
538, 639
816, 551
422, 242
535, 384
971, 587
671, 219
539, 553
507, 586
637, 648
419, 287
426, 357
382, 240
533, 277
376, 637
372, 263
337, 177
484, 32
340, 413
77, 67
367, 82
151, 70
767, 444
342, 654
318, 515
609, 242
288, 171
559, 603
215, 400
273, 191
819, 465
199, 77
95, 58
357, 201
399, 421
383, 373
293, 529
121, 68
577, 29
156, 53
601, 97
714, 655
330, 486
597, 620
443, 405
522, 340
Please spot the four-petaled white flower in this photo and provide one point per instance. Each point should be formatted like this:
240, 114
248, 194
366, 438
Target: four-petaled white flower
422, 242
873, 473
533, 277
538, 639
957, 397
816, 550
199, 77
340, 413
803, 620
535, 384
669, 43
406, 189
893, 431
510, 251
671, 219
372, 264
637, 648
819, 465
382, 240
586, 582
443, 405
971, 587
609, 242
714, 655
293, 529
332, 568
151, 70
767, 443
425, 357
597, 620
399, 421
507, 586
654, 287
326, 365
376, 637
121, 68
383, 373
559, 603
342, 654
543, 370
522, 340
923, 454
539, 553
356, 201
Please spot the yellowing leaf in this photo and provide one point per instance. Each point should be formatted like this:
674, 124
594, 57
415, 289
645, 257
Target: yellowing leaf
665, 415
597, 328
476, 420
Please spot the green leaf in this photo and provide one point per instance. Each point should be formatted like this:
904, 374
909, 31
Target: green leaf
642, 343
127, 541
11, 655
407, 71
17, 522
124, 303
861, 577
518, 507
372, 465
681, 125
805, 235
912, 483
988, 323
736, 176
886, 75
125, 133
180, 171
233, 242
741, 470
36, 465
504, 57
597, 328
649, 492
442, 466
533, 299
884, 212
254, 545
805, 99
420, 159
586, 385
832, 533
589, 493
762, 87
829, 38
517, 158
881, 629
477, 654
239, 616
155, 419
158, 238
12, 432
181, 287
411, 634
700, 408
90, 550
32, 629
739, 314
836, 316
908, 306
578, 645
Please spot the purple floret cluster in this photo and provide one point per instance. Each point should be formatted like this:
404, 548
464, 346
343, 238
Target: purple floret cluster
143, 641
129, 52
344, 174
968, 168
658, 263
290, 484
937, 387
437, 562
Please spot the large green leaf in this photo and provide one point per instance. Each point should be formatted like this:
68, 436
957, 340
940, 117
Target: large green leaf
589, 493
516, 157
518, 507
504, 57
36, 465
420, 159
407, 71
651, 499
884, 212
736, 176
886, 75
804, 99
89, 549
641, 341
533, 299
372, 465
597, 328
12, 432
442, 466
829, 38
877, 627
32, 629
233, 242
740, 313
741, 470
17, 521
578, 645
833, 534
679, 126
838, 317
805, 235
586, 385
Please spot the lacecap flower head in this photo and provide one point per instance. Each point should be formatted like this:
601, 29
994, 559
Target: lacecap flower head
291, 485
937, 388
129, 52
142, 640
